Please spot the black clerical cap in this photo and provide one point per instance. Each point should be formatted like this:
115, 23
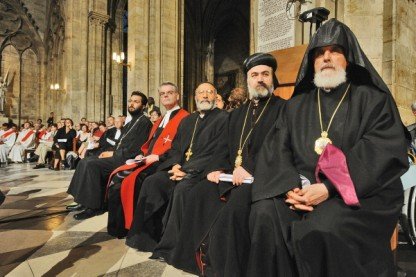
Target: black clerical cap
261, 59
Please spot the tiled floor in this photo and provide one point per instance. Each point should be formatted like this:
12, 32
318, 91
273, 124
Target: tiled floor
38, 237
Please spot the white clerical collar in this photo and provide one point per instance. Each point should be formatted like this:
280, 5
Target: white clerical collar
173, 109
118, 133
166, 118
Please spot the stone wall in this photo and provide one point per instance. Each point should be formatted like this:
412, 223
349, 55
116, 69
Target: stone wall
404, 57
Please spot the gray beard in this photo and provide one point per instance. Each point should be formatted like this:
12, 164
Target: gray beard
202, 107
254, 93
328, 81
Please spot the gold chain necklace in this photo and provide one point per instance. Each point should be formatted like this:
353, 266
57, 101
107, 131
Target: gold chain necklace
189, 153
320, 143
239, 159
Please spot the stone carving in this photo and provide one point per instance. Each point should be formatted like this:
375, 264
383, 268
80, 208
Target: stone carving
3, 89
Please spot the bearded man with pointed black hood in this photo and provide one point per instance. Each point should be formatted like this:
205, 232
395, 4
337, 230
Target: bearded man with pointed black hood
328, 194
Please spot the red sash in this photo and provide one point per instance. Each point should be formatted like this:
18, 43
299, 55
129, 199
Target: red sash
8, 133
27, 135
41, 133
162, 144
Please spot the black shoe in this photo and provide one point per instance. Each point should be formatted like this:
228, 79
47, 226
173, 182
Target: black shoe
88, 213
2, 197
157, 257
75, 207
34, 158
39, 166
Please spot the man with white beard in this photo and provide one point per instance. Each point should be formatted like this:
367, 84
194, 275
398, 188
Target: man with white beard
192, 149
217, 212
327, 194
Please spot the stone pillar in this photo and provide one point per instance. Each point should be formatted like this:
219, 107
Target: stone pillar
138, 46
96, 56
76, 59
402, 55
154, 44
116, 76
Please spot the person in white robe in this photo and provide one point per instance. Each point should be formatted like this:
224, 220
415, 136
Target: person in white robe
25, 140
7, 139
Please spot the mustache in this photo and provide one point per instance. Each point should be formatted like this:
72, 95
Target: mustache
325, 66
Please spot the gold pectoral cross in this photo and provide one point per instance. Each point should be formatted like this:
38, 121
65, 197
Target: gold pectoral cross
239, 159
188, 154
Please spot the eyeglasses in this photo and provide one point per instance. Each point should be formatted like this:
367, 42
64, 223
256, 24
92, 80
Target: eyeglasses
170, 92
207, 91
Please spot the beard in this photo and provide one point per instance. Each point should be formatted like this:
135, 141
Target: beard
329, 78
260, 91
135, 111
204, 105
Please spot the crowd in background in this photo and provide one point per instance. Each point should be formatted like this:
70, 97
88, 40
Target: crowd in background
61, 144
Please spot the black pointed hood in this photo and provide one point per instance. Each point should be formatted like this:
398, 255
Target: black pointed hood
359, 70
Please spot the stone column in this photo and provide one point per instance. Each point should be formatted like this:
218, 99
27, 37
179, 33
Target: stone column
138, 46
154, 44
96, 56
76, 59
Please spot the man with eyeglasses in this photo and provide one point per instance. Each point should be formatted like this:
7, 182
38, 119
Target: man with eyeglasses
88, 185
217, 212
126, 180
192, 150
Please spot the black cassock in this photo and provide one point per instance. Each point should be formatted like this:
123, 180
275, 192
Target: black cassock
107, 142
220, 227
91, 175
334, 239
157, 189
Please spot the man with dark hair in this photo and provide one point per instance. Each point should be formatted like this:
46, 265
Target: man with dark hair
151, 105
327, 194
90, 179
216, 212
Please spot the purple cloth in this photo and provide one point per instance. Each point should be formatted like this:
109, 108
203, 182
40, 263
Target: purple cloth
333, 164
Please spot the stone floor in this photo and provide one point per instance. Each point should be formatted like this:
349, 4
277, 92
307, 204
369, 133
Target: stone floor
38, 237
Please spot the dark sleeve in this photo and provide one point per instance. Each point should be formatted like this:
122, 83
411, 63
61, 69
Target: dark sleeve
329, 186
275, 173
379, 158
199, 163
221, 157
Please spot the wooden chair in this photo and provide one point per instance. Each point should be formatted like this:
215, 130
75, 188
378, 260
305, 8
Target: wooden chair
31, 150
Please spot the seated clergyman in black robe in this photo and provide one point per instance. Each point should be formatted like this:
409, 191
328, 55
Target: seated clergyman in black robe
88, 185
313, 221
108, 140
192, 150
216, 213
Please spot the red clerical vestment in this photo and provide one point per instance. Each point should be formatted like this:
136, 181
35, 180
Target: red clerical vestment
163, 143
